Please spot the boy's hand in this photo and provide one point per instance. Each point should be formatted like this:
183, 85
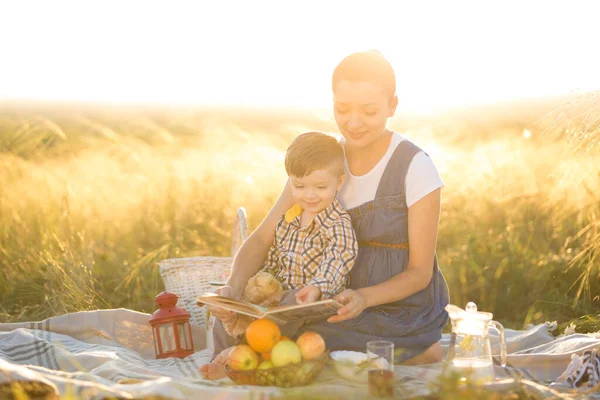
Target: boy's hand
225, 291
308, 294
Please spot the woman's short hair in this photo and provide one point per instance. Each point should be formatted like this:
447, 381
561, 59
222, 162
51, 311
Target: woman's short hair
311, 151
366, 66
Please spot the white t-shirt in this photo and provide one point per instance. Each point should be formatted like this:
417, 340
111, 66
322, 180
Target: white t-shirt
422, 178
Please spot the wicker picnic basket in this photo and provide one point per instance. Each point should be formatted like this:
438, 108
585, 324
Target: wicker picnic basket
300, 374
191, 277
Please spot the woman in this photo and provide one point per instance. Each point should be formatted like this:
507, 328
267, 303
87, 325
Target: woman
393, 195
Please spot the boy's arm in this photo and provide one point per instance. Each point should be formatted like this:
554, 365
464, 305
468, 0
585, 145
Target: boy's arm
338, 258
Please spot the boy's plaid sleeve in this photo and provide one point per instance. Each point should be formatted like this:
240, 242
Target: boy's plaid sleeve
338, 258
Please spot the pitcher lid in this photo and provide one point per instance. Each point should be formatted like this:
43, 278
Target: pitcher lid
470, 312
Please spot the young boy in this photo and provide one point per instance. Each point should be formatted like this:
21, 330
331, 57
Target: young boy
315, 245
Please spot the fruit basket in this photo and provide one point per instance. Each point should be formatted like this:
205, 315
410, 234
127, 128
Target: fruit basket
300, 374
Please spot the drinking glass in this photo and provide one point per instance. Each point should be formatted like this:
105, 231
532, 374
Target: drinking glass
380, 359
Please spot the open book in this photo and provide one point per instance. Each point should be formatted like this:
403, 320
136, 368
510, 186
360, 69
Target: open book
279, 314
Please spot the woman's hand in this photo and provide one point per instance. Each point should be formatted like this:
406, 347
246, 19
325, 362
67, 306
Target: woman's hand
308, 294
354, 304
225, 291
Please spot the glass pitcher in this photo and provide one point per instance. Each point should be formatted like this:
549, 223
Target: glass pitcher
470, 352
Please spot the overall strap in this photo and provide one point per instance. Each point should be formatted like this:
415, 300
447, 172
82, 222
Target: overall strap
393, 180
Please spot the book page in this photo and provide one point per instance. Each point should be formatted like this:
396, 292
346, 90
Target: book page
318, 309
230, 304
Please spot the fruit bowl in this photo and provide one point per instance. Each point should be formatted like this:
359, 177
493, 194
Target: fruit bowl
300, 374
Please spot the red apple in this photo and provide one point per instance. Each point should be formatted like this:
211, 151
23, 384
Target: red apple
311, 345
243, 358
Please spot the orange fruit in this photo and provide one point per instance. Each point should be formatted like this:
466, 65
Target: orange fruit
266, 356
262, 334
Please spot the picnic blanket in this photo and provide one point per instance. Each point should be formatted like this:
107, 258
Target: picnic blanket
109, 353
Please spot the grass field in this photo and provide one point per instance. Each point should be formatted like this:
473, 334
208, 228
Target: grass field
92, 198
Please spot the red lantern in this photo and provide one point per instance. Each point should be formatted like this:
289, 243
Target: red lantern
171, 328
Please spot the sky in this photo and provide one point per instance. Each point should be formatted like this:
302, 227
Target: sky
281, 53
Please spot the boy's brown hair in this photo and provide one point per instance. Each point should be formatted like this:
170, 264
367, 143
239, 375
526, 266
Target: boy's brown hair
311, 151
366, 66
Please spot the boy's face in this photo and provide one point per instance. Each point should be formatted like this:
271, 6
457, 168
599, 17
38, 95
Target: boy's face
361, 110
315, 191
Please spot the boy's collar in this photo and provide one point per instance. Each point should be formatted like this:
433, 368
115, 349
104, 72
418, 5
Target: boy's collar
293, 212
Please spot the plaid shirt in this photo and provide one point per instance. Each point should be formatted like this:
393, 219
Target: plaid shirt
321, 253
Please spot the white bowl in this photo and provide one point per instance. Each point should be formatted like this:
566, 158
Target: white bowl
346, 364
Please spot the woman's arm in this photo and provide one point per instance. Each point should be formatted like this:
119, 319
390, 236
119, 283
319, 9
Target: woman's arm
253, 251
423, 220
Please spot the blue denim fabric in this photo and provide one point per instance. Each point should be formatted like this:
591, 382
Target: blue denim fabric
414, 323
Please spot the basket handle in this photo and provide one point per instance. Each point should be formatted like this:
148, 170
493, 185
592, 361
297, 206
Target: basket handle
240, 230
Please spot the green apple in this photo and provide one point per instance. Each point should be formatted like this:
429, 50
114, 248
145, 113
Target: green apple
285, 352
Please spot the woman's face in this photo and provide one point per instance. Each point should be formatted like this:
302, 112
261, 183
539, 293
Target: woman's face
361, 110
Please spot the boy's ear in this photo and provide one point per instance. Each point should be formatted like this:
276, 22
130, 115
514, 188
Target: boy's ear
341, 181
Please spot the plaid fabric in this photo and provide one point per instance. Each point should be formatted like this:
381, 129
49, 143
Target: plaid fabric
320, 254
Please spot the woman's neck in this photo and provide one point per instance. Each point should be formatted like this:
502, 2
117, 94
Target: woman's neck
361, 160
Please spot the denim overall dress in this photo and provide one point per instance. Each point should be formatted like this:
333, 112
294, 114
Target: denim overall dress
381, 225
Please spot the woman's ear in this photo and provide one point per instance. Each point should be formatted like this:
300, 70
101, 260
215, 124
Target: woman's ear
341, 181
393, 105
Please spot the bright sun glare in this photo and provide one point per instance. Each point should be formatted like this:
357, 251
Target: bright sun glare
279, 53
